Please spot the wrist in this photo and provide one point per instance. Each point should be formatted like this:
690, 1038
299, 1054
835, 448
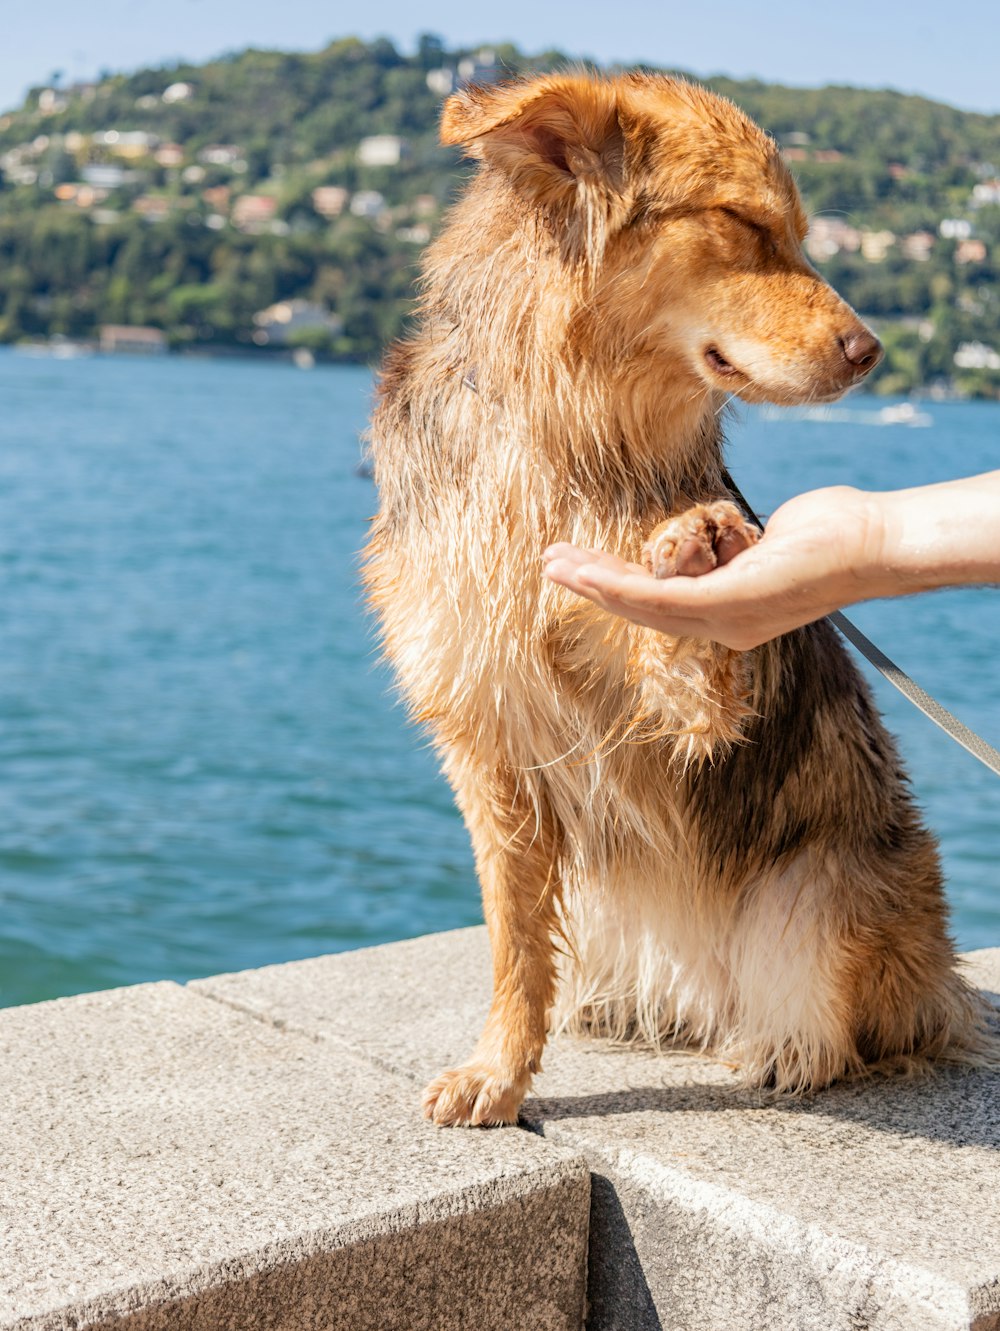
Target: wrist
892, 565
871, 529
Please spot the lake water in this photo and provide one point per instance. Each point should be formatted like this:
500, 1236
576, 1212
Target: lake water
202, 765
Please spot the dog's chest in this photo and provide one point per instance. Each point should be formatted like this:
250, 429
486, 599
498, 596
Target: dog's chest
486, 647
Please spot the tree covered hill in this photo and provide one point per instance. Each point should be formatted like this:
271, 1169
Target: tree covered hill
273, 199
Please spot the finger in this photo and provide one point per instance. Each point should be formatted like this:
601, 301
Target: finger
639, 597
575, 557
566, 572
615, 565
561, 550
570, 554
641, 600
637, 587
578, 555
569, 573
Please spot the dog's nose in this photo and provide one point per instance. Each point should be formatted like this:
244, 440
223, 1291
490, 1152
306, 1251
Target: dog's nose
862, 349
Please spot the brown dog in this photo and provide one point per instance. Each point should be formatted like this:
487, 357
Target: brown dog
675, 841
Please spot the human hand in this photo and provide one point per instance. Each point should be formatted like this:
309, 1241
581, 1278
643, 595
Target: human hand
820, 551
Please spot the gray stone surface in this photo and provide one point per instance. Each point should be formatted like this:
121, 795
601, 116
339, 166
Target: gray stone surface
869, 1206
982, 969
170, 1164
434, 991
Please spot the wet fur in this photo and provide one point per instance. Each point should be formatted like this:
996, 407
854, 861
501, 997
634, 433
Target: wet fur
674, 841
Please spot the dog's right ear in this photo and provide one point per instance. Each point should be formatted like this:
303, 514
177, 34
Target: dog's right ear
560, 140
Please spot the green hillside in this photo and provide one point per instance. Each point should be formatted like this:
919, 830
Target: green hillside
271, 200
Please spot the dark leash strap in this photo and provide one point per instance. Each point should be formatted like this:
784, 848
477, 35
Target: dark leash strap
899, 679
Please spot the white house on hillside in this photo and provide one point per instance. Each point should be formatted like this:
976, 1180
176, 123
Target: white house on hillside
381, 150
280, 321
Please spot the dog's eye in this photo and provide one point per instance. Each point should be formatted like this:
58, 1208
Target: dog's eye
743, 221
757, 229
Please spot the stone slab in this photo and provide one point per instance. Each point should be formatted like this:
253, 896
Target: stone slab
170, 1164
432, 991
869, 1206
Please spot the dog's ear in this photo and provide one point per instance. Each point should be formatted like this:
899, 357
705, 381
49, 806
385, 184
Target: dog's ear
562, 142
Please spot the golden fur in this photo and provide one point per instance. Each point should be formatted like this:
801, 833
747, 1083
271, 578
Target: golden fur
675, 841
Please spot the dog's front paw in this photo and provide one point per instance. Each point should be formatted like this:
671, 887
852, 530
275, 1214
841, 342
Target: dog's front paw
697, 541
474, 1096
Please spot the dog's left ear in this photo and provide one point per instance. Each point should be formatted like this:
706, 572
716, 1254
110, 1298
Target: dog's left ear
562, 142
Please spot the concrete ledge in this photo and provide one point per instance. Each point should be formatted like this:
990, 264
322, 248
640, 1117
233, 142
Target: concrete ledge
247, 1153
167, 1162
873, 1206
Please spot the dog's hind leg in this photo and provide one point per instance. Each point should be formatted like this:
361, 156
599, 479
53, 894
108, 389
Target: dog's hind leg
516, 846
794, 980
838, 969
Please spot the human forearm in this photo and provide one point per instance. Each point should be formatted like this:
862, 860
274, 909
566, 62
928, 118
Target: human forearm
941, 535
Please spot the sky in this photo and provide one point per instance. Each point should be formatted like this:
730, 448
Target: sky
950, 53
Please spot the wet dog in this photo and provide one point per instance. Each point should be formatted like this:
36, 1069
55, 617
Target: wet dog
676, 842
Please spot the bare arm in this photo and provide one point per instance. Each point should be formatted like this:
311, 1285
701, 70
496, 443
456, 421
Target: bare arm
821, 550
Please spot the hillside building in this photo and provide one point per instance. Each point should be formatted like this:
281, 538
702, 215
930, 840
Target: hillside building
381, 150
116, 338
277, 324
329, 200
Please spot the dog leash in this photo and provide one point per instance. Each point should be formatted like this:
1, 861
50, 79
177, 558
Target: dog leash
886, 667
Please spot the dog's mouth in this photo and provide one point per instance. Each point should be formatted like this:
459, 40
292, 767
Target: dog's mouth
718, 364
740, 384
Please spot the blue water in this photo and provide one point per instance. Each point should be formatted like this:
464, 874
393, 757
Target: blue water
202, 765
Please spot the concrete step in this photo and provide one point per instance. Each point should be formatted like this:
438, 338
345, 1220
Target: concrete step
168, 1163
872, 1207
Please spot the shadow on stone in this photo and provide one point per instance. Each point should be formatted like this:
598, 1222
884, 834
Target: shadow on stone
953, 1105
618, 1295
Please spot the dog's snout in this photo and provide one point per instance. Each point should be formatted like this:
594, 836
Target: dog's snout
862, 349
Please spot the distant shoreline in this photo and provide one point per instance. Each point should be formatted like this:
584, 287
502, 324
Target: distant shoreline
79, 349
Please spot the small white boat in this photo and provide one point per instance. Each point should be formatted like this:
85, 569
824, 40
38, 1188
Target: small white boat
57, 347
904, 413
897, 413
